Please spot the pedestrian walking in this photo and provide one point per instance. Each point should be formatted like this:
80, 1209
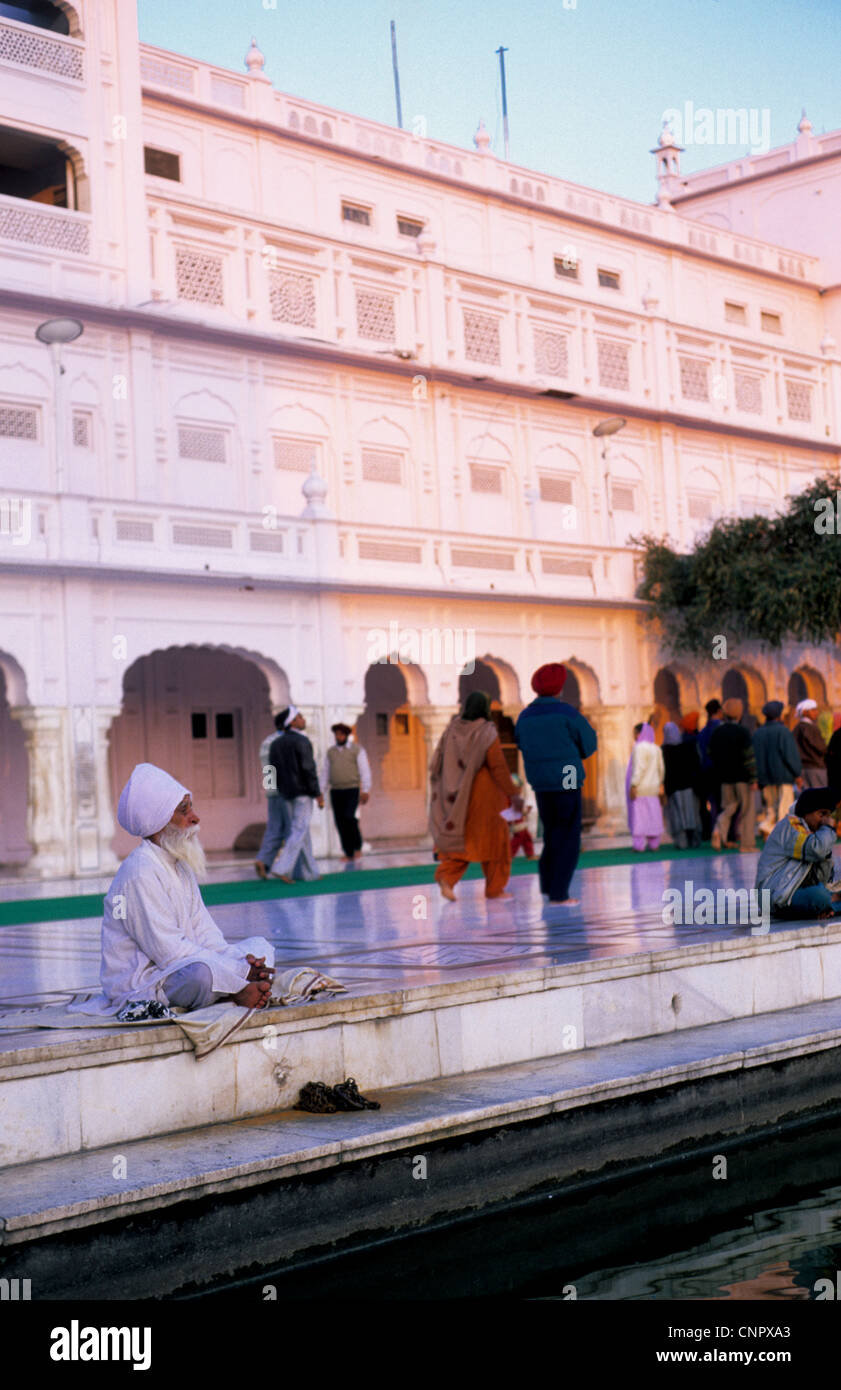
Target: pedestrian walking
811, 744
682, 784
471, 786
644, 788
554, 739
292, 758
346, 772
278, 815
778, 767
734, 767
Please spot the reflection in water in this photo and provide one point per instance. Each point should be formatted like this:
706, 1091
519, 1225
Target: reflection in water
776, 1253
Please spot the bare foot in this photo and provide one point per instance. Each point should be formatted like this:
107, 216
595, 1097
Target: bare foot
564, 902
260, 869
254, 995
497, 897
447, 892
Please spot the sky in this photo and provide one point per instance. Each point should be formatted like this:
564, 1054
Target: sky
588, 81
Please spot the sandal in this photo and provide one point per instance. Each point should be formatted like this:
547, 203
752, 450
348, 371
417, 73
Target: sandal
317, 1098
347, 1095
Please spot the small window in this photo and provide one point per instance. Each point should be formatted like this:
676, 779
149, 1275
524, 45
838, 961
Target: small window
485, 478
609, 279
199, 725
381, 724
224, 726
162, 164
82, 429
770, 323
351, 212
401, 723
622, 496
566, 268
735, 313
407, 227
554, 488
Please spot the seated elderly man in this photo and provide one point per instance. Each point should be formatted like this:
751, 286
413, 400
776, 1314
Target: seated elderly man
160, 944
796, 864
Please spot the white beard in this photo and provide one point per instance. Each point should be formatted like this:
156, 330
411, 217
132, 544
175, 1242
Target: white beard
185, 846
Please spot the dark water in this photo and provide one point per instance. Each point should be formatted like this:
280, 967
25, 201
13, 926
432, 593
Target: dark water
668, 1230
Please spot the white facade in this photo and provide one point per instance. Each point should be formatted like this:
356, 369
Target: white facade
300, 297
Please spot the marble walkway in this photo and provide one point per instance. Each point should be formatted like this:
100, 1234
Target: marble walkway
408, 936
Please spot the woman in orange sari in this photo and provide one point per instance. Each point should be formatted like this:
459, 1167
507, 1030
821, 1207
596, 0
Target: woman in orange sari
471, 785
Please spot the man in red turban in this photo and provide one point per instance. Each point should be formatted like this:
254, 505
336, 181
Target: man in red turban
549, 679
554, 739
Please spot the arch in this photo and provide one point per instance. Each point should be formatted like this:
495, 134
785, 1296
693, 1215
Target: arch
667, 692
14, 765
685, 686
587, 682
507, 681
298, 419
326, 130
81, 184
746, 684
205, 405
57, 16
294, 121
391, 731
83, 390
482, 445
557, 456
383, 430
805, 683
14, 678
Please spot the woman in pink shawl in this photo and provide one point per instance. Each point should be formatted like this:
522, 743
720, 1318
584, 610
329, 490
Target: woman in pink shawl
643, 788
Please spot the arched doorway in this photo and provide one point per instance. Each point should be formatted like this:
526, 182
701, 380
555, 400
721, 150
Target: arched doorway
201, 713
581, 690
483, 677
393, 737
742, 683
14, 781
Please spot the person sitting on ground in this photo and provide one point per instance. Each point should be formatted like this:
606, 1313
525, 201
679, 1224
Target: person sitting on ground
159, 942
796, 864
470, 785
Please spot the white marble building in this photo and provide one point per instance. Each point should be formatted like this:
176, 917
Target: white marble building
334, 398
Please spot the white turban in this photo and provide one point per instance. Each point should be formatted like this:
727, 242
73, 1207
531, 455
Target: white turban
293, 714
148, 800
804, 705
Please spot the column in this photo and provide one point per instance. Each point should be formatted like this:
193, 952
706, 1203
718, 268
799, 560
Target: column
104, 716
614, 725
48, 800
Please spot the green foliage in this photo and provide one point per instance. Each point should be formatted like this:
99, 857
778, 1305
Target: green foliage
758, 579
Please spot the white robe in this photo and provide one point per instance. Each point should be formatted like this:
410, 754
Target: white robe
155, 923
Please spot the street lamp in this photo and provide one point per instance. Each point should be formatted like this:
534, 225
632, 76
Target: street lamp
55, 333
603, 430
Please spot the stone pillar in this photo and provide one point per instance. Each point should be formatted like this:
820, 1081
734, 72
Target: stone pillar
434, 720
48, 818
104, 716
613, 724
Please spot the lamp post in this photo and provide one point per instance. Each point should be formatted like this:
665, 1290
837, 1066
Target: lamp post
603, 430
55, 333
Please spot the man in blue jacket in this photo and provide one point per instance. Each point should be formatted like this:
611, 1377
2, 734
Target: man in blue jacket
554, 740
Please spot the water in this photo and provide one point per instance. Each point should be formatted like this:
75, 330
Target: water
770, 1230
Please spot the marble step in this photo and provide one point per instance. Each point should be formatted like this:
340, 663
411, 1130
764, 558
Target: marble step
61, 1194
69, 1091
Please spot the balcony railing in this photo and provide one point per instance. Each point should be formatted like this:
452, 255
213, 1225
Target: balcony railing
37, 224
28, 47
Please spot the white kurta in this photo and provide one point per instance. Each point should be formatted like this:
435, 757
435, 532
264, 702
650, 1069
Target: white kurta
154, 923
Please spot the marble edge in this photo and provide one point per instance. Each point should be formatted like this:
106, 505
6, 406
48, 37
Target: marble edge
335, 1152
136, 1044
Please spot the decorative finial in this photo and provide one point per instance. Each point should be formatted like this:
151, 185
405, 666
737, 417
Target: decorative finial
315, 491
482, 139
667, 135
254, 60
828, 345
804, 125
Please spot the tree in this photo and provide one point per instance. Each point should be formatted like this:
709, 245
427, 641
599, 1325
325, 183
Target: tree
752, 579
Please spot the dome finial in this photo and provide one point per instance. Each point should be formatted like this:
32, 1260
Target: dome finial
482, 139
254, 60
804, 125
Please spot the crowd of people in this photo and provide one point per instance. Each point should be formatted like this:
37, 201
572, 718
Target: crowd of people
711, 783
161, 948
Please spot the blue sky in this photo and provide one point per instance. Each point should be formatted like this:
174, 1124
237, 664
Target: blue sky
587, 85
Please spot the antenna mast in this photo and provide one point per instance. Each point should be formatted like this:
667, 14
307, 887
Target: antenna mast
502, 52
396, 74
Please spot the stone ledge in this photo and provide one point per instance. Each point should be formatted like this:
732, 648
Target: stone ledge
67, 1193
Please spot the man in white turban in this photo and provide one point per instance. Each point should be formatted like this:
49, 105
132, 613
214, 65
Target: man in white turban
810, 744
159, 942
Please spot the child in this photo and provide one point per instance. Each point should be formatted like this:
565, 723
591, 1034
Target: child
520, 833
